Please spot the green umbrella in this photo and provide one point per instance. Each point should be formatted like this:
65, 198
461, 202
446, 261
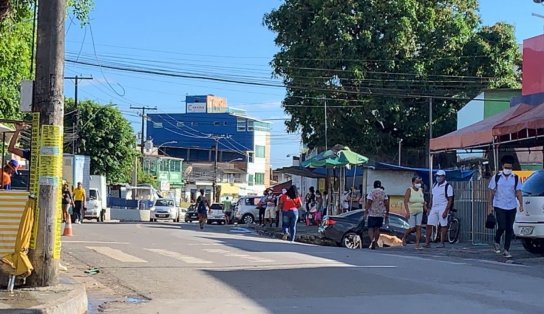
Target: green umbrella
336, 157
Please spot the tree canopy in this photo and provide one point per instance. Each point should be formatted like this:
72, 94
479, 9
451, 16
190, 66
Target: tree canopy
16, 47
105, 135
376, 63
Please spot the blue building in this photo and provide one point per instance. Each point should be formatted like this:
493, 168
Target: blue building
192, 136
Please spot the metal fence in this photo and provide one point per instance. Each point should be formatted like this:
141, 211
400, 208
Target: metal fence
471, 202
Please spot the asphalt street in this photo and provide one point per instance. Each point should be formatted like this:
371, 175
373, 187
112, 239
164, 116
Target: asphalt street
176, 268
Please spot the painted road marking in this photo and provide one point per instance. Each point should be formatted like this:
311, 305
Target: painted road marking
180, 257
116, 254
243, 256
95, 242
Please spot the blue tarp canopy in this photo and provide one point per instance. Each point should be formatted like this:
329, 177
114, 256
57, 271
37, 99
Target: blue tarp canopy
451, 175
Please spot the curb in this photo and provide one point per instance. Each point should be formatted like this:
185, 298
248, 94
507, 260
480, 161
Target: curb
74, 300
302, 238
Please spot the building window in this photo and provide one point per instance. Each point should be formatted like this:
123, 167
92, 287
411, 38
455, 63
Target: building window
260, 151
250, 157
165, 165
175, 166
259, 178
157, 125
250, 126
216, 123
180, 124
241, 125
250, 180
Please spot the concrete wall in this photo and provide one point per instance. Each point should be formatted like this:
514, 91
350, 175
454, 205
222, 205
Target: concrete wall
130, 214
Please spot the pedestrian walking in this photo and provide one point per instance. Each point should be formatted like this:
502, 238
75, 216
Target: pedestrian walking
309, 200
80, 197
67, 201
415, 207
290, 203
505, 197
202, 208
377, 208
270, 212
441, 204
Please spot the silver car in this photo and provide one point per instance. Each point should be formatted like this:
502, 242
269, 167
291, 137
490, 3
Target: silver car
165, 209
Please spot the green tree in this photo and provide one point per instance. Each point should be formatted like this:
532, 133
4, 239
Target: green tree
15, 54
16, 47
376, 63
104, 135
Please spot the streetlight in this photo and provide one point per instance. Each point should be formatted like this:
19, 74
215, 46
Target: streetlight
165, 143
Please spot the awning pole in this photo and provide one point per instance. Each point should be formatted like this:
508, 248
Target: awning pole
495, 157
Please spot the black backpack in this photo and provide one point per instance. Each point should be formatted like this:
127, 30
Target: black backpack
498, 177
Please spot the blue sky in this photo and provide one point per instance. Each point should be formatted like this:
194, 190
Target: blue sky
211, 38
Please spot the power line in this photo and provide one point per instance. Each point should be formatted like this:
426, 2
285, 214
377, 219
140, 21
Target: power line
143, 108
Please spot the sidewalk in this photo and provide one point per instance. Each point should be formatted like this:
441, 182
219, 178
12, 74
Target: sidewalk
308, 234
65, 298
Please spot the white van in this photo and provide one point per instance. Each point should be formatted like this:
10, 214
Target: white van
529, 225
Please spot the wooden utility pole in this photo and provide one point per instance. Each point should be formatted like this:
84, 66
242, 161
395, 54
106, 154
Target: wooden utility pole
142, 137
49, 102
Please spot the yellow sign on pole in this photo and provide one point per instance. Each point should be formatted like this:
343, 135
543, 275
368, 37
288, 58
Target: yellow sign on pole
50, 173
34, 172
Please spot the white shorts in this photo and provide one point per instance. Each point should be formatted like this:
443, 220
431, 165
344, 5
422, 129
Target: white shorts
435, 217
270, 213
415, 219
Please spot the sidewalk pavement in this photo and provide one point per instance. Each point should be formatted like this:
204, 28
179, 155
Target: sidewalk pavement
465, 250
67, 297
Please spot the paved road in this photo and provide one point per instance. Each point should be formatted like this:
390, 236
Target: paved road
175, 268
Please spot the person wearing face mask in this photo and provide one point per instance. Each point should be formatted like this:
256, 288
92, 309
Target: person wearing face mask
441, 203
415, 205
505, 196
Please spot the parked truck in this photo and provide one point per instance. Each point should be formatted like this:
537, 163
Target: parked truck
97, 198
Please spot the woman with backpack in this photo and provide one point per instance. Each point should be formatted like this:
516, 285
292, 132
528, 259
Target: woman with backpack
202, 205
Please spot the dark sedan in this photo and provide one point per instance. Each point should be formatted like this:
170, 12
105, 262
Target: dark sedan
191, 214
349, 230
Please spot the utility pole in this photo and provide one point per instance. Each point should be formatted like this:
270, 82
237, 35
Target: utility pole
216, 138
430, 137
49, 102
326, 128
76, 114
142, 137
400, 150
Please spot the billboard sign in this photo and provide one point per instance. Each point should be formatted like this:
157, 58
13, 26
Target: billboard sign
196, 107
216, 104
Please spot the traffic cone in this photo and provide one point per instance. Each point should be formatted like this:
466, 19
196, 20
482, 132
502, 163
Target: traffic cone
68, 228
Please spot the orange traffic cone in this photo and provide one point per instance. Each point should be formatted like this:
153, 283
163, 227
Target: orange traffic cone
68, 228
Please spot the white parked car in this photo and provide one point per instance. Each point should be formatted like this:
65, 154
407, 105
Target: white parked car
529, 225
245, 211
216, 214
165, 209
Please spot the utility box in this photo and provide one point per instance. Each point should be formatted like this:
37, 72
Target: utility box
25, 102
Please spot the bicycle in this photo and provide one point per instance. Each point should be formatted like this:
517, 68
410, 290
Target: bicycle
454, 226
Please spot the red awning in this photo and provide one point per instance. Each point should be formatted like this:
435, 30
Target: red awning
276, 189
478, 134
530, 120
